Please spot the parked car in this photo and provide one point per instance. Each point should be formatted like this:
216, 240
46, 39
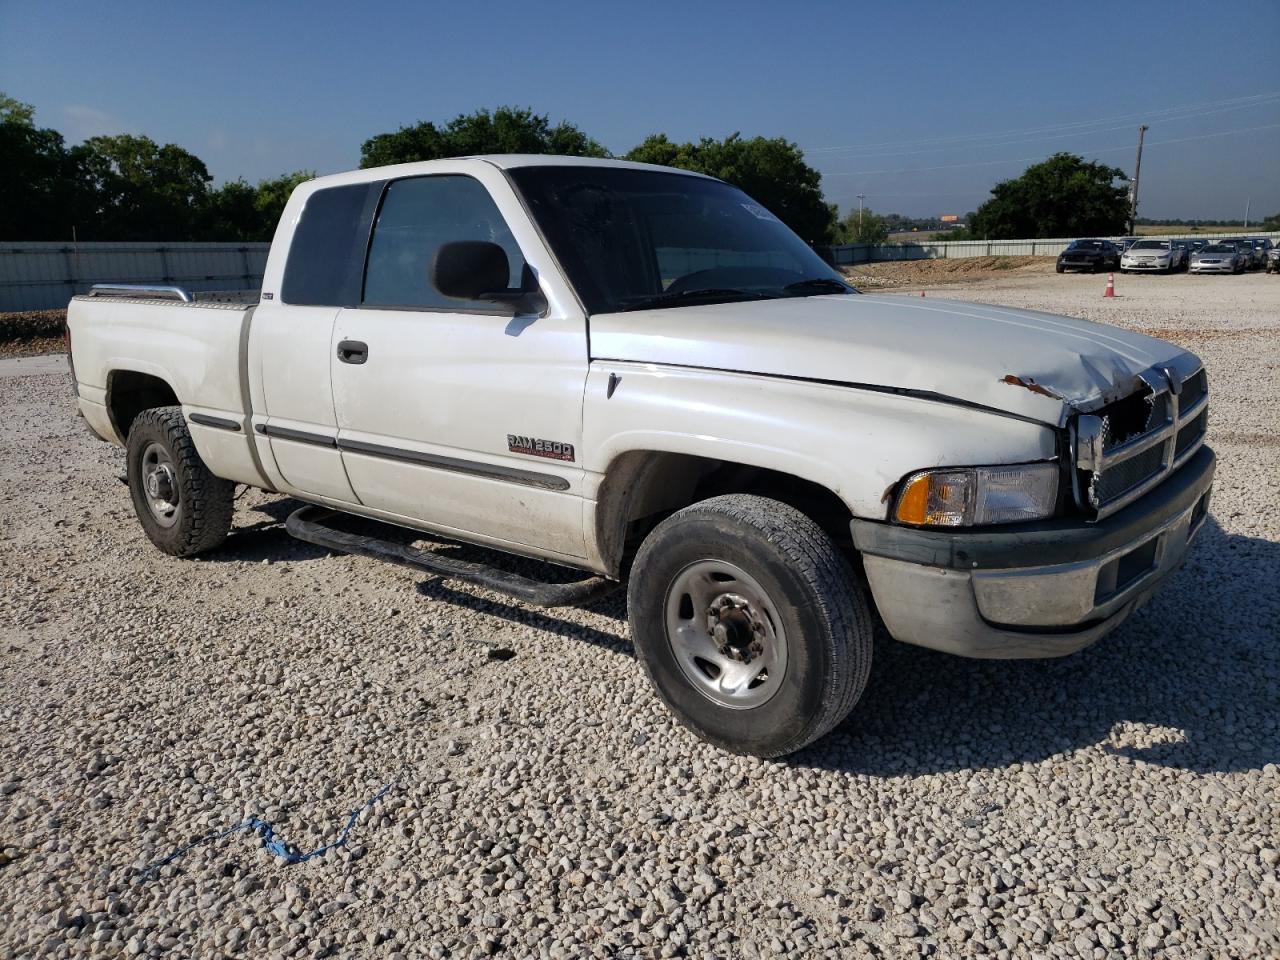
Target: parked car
1183, 249
1262, 247
1217, 258
1273, 260
1151, 255
1092, 255
761, 451
1248, 254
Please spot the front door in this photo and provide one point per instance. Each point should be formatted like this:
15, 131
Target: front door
458, 414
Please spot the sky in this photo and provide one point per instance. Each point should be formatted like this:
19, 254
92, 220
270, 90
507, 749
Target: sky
920, 105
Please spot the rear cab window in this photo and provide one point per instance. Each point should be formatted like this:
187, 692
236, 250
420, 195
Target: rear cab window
326, 253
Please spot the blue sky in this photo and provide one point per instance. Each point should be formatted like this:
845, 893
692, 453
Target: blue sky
920, 105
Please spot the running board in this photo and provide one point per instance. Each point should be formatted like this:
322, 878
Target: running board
307, 523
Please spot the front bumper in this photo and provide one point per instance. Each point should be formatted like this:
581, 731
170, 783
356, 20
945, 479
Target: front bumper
1145, 265
1032, 590
1219, 267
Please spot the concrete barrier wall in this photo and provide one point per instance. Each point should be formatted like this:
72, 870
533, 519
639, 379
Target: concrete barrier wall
43, 276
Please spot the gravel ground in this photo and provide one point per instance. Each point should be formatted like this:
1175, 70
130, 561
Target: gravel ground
1123, 801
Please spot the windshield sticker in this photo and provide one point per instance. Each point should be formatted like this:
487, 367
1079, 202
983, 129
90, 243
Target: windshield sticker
759, 212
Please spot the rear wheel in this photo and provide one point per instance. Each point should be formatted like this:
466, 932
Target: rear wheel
183, 508
750, 624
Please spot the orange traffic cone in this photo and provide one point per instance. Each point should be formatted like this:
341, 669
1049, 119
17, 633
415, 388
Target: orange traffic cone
1111, 285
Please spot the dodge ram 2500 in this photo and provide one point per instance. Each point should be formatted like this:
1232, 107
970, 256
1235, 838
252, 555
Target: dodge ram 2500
642, 374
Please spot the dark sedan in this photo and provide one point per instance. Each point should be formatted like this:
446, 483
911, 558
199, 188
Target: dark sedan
1091, 255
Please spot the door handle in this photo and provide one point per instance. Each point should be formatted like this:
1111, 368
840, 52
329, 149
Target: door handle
353, 351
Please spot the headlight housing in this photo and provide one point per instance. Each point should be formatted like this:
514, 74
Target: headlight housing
978, 496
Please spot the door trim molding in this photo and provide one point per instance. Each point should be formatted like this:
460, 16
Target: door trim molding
221, 423
490, 471
299, 436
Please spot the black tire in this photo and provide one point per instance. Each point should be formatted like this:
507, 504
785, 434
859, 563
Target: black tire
817, 599
1060, 268
201, 517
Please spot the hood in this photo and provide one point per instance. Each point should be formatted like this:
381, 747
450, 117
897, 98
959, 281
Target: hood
1148, 252
1033, 365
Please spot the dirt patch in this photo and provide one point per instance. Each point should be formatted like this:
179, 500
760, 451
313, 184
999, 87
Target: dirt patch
906, 273
33, 347
31, 325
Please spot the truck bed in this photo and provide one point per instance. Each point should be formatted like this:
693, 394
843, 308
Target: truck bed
194, 347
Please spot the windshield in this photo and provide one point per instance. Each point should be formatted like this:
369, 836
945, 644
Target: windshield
1217, 248
1085, 245
1151, 245
638, 239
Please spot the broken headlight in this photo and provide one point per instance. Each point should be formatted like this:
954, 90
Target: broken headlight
977, 496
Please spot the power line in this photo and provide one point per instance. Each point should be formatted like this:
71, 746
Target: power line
989, 163
1167, 115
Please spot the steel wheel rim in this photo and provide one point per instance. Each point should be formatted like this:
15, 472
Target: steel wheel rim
160, 484
725, 634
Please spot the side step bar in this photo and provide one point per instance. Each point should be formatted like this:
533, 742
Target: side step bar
307, 524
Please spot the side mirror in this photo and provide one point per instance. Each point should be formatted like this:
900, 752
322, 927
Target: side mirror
478, 270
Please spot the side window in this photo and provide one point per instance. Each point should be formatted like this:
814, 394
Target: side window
417, 217
327, 250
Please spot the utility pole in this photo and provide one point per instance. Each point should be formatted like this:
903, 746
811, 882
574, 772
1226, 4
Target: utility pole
1137, 173
1247, 200
861, 197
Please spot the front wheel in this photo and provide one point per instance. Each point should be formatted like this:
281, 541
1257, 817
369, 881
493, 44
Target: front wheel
183, 508
750, 624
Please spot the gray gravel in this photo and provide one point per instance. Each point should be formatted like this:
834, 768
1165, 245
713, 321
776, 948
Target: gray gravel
1124, 801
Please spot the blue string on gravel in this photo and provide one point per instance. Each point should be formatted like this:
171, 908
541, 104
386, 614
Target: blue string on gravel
270, 843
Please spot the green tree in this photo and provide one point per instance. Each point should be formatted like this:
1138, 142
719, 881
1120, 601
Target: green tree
144, 191
15, 111
1272, 223
231, 213
1065, 196
862, 226
41, 190
237, 210
273, 194
505, 130
771, 171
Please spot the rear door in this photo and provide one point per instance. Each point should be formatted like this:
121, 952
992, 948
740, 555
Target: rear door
458, 414
291, 336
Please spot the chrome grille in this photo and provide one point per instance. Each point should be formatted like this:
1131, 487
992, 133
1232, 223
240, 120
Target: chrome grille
1130, 445
1116, 481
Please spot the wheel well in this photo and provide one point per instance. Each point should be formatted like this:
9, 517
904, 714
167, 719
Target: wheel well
642, 488
130, 392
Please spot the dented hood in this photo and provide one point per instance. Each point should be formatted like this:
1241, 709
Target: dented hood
1034, 365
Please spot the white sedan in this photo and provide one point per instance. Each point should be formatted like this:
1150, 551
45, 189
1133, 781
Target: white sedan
1160, 256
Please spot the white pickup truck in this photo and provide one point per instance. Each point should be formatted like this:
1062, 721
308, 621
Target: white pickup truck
643, 374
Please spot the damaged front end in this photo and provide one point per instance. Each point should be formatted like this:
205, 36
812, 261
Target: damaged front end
1127, 445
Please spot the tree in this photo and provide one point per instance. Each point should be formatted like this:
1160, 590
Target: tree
144, 191
1065, 196
771, 171
862, 227
273, 194
15, 111
40, 190
1272, 223
238, 210
505, 130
